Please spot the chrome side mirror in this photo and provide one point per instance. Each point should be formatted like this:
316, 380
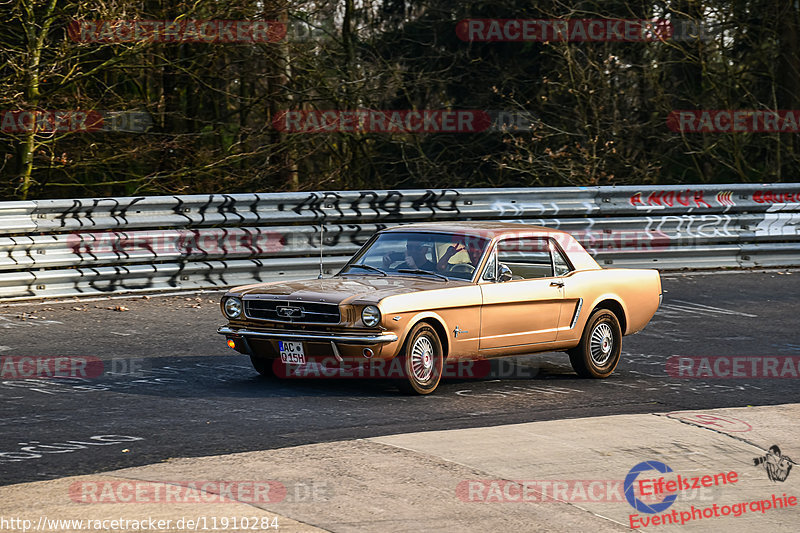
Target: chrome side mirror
503, 273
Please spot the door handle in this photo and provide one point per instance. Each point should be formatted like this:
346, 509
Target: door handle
556, 283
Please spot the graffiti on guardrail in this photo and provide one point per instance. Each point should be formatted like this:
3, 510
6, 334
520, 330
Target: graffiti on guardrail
512, 208
217, 241
725, 198
106, 245
373, 204
670, 198
696, 198
774, 197
778, 224
675, 227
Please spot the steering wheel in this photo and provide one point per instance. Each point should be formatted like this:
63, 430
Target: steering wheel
462, 268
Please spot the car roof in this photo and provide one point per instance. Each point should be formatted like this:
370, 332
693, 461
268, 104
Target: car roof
579, 257
471, 228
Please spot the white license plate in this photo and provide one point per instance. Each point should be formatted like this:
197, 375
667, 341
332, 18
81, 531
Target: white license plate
292, 352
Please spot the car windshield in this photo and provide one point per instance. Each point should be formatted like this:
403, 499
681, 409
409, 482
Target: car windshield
396, 253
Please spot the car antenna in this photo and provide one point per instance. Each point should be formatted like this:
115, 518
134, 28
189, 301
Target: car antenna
321, 242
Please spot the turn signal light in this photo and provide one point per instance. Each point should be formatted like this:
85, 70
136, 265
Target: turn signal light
232, 343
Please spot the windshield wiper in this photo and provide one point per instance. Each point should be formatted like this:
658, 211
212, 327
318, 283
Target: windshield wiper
369, 267
420, 271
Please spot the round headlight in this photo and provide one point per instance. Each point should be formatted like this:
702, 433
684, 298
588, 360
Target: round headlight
371, 316
233, 307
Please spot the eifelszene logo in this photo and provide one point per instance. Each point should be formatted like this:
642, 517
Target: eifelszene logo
636, 503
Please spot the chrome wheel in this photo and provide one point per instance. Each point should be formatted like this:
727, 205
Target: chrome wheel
422, 358
601, 343
597, 354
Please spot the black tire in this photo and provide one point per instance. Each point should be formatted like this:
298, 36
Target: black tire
422, 361
263, 366
603, 335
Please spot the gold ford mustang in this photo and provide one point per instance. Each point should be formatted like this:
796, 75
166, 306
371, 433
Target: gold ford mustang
426, 295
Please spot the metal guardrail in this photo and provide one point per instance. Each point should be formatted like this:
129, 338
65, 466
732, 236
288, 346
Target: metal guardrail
52, 248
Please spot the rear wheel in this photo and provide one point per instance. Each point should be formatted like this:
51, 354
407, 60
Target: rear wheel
601, 344
422, 361
263, 366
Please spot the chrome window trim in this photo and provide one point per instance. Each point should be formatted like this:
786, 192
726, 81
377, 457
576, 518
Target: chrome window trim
510, 237
491, 258
563, 255
359, 254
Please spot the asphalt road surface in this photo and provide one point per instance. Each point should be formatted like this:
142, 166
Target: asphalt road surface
172, 388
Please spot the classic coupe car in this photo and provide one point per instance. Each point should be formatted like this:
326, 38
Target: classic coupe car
435, 293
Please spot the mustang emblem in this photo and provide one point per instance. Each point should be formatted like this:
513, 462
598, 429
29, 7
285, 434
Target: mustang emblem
287, 311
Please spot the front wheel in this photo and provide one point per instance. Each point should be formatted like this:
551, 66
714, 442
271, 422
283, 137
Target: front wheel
422, 361
601, 344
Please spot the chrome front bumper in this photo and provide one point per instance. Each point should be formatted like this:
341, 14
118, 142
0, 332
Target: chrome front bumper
357, 340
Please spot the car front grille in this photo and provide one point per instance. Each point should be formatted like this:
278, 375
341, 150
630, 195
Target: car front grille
292, 312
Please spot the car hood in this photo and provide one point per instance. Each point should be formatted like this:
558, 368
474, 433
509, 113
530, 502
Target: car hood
346, 288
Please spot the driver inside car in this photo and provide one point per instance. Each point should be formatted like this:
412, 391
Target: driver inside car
474, 251
415, 257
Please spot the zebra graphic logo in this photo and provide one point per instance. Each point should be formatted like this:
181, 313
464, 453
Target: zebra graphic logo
777, 466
